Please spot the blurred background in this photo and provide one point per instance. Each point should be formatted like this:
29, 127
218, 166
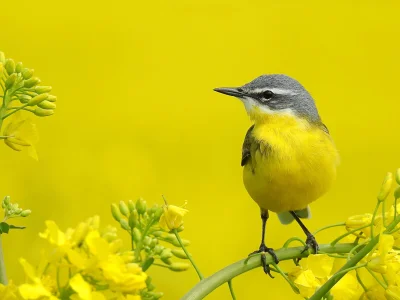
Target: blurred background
137, 116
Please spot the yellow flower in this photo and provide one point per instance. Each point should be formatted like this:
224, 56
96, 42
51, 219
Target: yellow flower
357, 221
21, 134
36, 289
9, 291
305, 281
172, 218
81, 287
379, 260
320, 264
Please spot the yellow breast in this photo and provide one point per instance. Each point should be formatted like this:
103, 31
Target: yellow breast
292, 163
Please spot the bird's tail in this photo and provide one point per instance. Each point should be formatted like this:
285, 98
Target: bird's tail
287, 218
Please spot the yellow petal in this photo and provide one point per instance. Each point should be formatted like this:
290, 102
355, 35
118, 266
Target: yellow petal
347, 288
81, 287
29, 270
320, 264
33, 291
53, 234
77, 259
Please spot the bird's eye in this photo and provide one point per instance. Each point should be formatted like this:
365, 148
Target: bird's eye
267, 95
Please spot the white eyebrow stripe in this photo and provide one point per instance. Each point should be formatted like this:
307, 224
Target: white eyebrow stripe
275, 91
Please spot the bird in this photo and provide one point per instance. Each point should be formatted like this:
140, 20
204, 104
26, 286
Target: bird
289, 158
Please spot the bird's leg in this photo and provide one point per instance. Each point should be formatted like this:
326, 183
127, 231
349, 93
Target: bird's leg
263, 248
310, 241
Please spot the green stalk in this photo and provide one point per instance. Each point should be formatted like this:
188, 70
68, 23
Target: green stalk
207, 285
231, 290
3, 275
201, 277
324, 289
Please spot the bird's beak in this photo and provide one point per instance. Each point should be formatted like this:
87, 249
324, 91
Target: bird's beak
230, 91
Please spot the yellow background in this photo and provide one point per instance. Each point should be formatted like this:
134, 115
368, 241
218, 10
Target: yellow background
137, 116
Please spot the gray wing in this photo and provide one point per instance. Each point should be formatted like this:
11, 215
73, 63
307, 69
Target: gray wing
246, 146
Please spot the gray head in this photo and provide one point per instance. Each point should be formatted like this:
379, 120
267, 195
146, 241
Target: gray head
275, 93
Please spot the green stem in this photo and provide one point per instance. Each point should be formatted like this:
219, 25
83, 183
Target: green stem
360, 281
293, 239
3, 275
291, 283
335, 241
329, 226
15, 110
325, 288
187, 254
231, 290
207, 285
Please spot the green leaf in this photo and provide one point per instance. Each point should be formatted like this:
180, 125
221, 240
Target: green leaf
4, 227
16, 227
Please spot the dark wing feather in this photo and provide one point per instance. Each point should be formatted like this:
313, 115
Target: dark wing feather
246, 146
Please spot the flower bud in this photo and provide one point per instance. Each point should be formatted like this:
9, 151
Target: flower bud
115, 212
158, 249
398, 176
6, 200
141, 206
124, 224
2, 58
27, 73
158, 213
24, 98
18, 67
40, 112
385, 188
133, 219
147, 263
123, 208
153, 243
26, 213
1, 69
179, 266
52, 98
158, 233
131, 205
47, 105
165, 256
31, 82
37, 99
179, 253
147, 241
43, 89
137, 235
397, 193
10, 81
9, 66
171, 238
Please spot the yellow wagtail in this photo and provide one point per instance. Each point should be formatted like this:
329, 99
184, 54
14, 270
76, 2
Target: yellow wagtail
288, 156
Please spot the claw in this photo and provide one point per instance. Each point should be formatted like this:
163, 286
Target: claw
311, 242
264, 249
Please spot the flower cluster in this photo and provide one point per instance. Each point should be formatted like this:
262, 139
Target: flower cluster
22, 92
376, 275
149, 228
83, 263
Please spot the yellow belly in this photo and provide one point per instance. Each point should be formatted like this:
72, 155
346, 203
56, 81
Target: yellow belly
294, 165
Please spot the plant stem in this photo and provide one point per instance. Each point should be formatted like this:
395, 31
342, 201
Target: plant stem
3, 275
207, 285
324, 289
231, 290
335, 241
329, 226
187, 254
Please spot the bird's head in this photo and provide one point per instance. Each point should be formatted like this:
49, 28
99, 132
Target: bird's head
275, 94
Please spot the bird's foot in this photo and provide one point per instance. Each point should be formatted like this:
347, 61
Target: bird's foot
311, 243
264, 249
